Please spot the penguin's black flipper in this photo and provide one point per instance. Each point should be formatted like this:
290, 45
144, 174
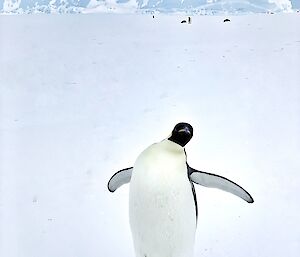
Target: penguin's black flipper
216, 181
119, 178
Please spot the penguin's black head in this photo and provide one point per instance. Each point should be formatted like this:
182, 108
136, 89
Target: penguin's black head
182, 134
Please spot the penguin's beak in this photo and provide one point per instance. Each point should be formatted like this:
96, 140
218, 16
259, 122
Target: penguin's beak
184, 130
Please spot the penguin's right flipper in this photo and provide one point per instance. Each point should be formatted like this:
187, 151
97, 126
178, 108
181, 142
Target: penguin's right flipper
119, 178
216, 181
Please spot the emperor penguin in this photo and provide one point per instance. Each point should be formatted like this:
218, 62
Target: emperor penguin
163, 208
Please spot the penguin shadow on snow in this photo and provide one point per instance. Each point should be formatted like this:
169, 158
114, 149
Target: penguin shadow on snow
161, 186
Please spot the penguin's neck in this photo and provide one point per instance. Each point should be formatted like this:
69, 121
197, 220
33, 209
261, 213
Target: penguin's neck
172, 147
169, 155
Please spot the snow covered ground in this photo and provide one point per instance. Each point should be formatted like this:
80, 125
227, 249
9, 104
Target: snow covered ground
82, 95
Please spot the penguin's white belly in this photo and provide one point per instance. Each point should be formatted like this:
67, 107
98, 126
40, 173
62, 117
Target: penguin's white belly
162, 210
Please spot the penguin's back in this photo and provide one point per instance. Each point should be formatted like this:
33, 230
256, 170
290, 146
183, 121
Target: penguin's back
161, 204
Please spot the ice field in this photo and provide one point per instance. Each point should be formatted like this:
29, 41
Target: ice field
82, 95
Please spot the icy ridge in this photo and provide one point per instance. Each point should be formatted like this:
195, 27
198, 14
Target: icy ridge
194, 6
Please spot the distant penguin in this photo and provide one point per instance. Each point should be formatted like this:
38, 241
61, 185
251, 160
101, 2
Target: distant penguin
183, 21
226, 20
162, 201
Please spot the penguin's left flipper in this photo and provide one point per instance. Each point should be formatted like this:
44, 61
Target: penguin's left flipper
119, 178
216, 181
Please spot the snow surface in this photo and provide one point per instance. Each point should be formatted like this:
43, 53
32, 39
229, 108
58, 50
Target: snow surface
82, 95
